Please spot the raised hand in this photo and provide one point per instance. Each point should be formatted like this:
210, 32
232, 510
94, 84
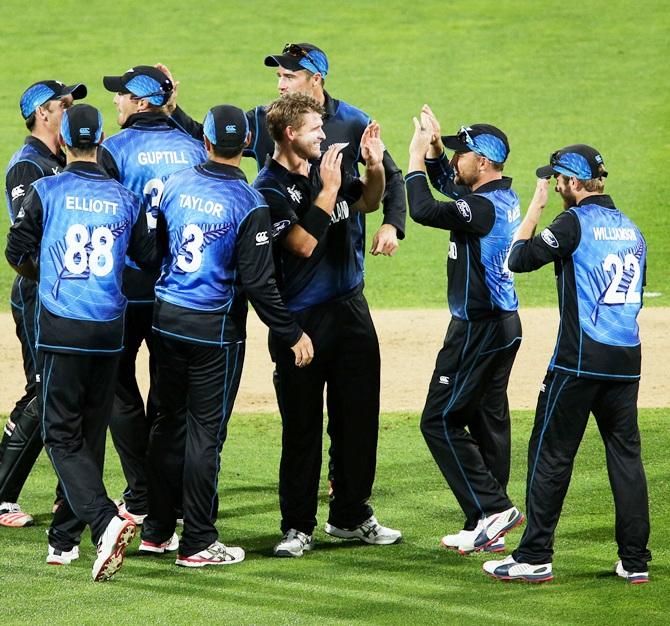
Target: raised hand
372, 147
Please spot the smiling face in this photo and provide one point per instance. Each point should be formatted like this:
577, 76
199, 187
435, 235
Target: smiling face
307, 137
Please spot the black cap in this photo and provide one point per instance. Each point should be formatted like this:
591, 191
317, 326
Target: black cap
43, 91
581, 161
300, 56
81, 126
226, 126
143, 81
483, 139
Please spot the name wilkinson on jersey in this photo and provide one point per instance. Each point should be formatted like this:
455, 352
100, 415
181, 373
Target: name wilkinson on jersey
610, 233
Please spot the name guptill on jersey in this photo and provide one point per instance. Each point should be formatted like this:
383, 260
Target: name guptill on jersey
171, 157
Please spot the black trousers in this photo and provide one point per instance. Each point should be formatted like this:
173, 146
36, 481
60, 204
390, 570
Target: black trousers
15, 464
466, 421
196, 388
561, 416
347, 363
130, 423
75, 393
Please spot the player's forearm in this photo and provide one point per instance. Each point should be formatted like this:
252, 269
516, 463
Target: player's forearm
373, 188
529, 223
394, 200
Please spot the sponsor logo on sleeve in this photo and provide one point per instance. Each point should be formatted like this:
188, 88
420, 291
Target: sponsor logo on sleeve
262, 238
18, 191
444, 380
464, 209
549, 238
21, 213
278, 227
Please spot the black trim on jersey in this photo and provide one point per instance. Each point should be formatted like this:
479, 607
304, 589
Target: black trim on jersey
470, 214
575, 352
255, 283
61, 334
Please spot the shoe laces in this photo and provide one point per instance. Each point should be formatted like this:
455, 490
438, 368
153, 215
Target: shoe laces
9, 507
292, 534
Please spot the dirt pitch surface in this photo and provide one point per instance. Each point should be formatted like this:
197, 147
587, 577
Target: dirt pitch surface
410, 340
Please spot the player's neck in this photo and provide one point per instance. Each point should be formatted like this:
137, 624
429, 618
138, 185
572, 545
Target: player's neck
485, 178
47, 139
286, 157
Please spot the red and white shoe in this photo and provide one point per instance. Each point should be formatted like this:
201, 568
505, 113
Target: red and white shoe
149, 547
12, 516
135, 518
216, 554
112, 548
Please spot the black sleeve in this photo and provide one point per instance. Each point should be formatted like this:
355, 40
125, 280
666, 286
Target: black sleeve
184, 122
557, 241
18, 181
472, 213
394, 203
351, 188
441, 176
106, 162
23, 239
257, 273
143, 247
251, 120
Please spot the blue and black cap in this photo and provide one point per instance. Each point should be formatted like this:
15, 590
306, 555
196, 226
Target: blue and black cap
581, 161
142, 81
41, 92
226, 126
300, 56
81, 126
482, 139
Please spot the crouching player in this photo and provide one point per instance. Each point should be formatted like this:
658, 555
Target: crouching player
217, 233
81, 224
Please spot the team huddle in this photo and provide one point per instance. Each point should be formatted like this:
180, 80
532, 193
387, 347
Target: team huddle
153, 235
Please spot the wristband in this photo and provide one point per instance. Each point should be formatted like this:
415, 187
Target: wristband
315, 221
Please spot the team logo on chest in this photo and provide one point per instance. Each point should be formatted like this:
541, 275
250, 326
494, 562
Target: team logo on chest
295, 193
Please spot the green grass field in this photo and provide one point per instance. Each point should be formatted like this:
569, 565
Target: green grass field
341, 583
548, 74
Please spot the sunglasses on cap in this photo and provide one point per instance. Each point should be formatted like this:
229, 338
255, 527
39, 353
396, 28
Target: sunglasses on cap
555, 160
464, 136
297, 51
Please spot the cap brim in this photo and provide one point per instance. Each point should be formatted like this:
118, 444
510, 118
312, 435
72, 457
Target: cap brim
77, 91
452, 142
113, 83
284, 60
547, 171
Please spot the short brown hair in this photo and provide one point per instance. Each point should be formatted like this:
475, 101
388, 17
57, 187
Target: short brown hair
288, 111
592, 184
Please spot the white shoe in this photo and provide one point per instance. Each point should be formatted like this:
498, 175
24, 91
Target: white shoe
370, 531
62, 557
635, 578
497, 525
509, 569
112, 548
11, 515
216, 554
149, 547
135, 518
294, 543
463, 542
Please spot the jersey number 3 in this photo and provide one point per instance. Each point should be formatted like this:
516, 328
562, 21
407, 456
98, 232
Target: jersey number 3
630, 263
